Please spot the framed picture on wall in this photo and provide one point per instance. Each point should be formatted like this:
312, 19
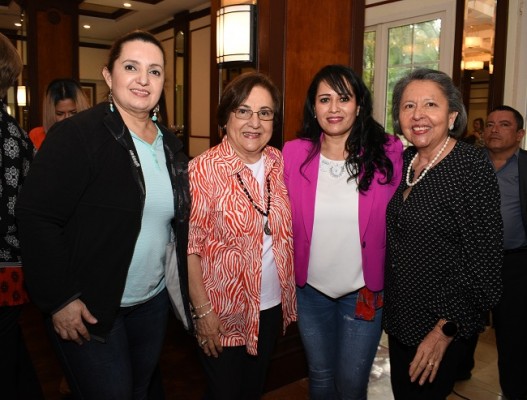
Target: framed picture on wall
89, 90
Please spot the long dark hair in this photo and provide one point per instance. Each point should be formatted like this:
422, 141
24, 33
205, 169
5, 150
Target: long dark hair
365, 144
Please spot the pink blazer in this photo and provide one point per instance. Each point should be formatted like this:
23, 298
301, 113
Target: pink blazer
372, 210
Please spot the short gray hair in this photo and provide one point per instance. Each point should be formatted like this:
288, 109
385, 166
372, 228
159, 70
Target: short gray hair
445, 83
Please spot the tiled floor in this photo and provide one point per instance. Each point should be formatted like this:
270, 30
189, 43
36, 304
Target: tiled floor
483, 385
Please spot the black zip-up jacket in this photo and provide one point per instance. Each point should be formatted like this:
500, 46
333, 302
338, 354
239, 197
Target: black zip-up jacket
80, 209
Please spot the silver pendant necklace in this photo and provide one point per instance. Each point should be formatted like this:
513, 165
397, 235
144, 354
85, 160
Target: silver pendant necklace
335, 169
266, 228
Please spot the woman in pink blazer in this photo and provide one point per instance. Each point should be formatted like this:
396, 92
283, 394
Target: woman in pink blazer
340, 174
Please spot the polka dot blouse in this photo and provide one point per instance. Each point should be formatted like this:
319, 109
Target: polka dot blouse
444, 247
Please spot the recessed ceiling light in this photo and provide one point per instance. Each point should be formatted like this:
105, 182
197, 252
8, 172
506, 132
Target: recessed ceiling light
127, 5
86, 26
18, 24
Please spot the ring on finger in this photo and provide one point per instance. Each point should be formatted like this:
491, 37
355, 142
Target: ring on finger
430, 363
203, 342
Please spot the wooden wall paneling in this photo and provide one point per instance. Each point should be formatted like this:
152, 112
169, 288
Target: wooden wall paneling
497, 79
53, 48
314, 38
214, 76
270, 56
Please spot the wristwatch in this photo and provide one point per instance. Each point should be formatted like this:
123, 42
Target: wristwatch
449, 328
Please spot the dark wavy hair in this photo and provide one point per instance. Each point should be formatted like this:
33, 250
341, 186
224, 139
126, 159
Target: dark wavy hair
365, 144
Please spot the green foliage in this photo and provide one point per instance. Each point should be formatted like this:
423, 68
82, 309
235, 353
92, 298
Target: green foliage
410, 46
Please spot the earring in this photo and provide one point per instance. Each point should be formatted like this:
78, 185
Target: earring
156, 110
451, 127
358, 110
110, 100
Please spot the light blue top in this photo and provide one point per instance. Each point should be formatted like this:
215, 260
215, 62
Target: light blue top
146, 276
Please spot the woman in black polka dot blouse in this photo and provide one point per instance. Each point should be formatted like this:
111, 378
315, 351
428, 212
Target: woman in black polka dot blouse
444, 232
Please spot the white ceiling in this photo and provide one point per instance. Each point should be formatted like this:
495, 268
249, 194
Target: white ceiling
103, 30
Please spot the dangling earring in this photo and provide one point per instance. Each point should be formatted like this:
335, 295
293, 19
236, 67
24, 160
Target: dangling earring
451, 127
156, 110
110, 100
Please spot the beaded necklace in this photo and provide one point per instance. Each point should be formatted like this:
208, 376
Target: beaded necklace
267, 230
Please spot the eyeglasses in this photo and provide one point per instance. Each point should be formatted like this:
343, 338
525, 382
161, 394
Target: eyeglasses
245, 113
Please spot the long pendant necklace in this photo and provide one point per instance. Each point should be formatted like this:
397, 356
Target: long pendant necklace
267, 230
409, 170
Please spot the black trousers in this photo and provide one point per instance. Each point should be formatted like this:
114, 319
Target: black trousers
466, 364
403, 389
510, 322
236, 375
18, 379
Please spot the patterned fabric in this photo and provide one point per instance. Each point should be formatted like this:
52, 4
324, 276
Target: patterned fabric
16, 154
227, 233
367, 303
12, 289
444, 248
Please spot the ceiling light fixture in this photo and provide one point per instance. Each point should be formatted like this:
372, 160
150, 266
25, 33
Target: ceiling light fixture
474, 65
473, 41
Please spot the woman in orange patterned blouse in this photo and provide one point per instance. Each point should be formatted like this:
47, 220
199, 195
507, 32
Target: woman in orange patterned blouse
240, 243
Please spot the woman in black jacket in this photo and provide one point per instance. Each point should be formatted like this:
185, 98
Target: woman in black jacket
107, 191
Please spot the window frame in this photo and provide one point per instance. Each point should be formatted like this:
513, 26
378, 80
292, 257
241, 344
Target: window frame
404, 13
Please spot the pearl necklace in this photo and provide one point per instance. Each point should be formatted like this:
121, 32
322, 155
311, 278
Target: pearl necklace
428, 167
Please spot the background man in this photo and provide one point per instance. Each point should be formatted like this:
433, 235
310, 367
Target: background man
502, 135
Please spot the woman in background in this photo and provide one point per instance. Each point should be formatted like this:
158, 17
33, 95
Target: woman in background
340, 175
445, 238
64, 98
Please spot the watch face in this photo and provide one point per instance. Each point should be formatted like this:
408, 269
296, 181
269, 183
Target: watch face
449, 328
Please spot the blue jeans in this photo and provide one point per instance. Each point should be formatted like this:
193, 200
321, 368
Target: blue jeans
340, 349
122, 367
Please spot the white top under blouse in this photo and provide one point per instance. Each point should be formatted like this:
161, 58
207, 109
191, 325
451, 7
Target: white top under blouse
271, 293
335, 261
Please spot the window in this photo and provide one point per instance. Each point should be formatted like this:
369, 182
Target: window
401, 41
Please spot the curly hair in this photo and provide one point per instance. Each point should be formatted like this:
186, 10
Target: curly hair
365, 144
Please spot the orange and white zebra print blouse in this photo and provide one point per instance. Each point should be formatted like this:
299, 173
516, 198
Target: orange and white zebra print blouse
227, 233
